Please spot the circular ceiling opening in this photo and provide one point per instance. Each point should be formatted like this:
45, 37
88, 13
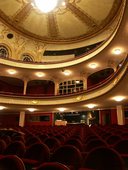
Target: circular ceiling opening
10, 35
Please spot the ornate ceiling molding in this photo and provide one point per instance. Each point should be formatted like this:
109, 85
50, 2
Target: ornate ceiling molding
53, 27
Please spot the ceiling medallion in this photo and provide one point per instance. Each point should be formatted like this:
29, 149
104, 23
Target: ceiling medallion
44, 6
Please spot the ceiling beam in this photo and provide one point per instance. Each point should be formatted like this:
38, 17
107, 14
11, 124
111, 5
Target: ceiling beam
84, 17
23, 13
52, 25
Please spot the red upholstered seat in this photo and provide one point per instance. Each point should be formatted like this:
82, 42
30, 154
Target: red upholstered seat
93, 144
113, 139
43, 136
68, 155
11, 162
36, 154
103, 158
3, 146
32, 140
52, 166
16, 148
52, 143
121, 146
7, 139
75, 142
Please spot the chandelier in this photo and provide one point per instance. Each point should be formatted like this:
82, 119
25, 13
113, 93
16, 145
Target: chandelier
46, 6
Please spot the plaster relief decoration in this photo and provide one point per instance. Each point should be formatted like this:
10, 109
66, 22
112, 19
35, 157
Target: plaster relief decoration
84, 19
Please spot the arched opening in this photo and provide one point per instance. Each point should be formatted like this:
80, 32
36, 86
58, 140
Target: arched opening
40, 87
99, 77
11, 85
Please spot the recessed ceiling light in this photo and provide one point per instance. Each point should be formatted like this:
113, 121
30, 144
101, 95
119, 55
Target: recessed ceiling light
93, 65
39, 74
61, 109
117, 51
11, 71
90, 106
66, 72
2, 107
118, 98
31, 109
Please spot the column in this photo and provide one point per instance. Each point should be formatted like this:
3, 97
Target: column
88, 117
85, 83
22, 119
25, 86
84, 78
120, 115
56, 88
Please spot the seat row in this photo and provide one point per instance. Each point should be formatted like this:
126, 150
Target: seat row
73, 146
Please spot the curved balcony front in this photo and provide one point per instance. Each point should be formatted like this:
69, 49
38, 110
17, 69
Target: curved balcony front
103, 92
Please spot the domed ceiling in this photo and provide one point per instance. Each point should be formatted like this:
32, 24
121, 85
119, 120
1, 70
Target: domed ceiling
76, 21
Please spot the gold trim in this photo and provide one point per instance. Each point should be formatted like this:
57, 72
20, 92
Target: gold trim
60, 100
58, 65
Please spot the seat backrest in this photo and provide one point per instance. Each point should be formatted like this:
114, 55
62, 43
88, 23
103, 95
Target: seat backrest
11, 162
7, 139
103, 158
124, 135
113, 139
39, 152
122, 146
53, 166
75, 142
68, 155
93, 144
19, 138
43, 137
52, 143
32, 140
61, 138
3, 146
16, 148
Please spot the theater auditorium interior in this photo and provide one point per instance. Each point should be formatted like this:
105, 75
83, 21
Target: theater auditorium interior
64, 85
